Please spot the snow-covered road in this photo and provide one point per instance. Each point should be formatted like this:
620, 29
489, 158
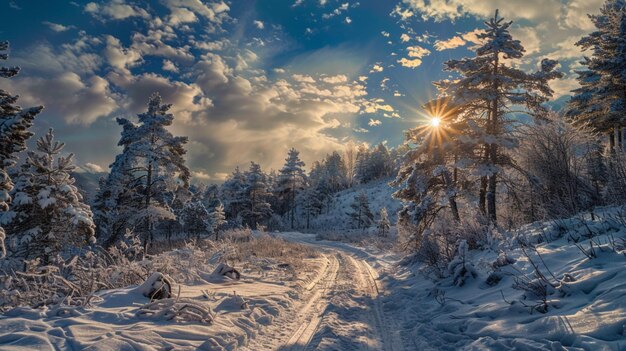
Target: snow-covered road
342, 309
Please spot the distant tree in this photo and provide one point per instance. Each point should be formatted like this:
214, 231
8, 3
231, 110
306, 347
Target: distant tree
234, 196
383, 223
290, 182
218, 220
14, 125
48, 213
349, 155
256, 210
335, 172
361, 215
311, 202
195, 219
362, 163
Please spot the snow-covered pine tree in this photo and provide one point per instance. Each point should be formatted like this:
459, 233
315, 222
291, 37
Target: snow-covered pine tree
361, 215
14, 125
217, 220
256, 210
383, 223
290, 182
117, 199
336, 171
362, 163
311, 203
600, 102
48, 214
234, 196
148, 173
195, 219
211, 197
425, 182
486, 87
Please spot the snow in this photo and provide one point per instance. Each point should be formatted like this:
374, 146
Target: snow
362, 297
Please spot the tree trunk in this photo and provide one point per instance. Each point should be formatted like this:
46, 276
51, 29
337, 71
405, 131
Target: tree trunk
612, 142
493, 148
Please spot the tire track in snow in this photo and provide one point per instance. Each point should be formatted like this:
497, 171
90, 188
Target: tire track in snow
314, 308
390, 338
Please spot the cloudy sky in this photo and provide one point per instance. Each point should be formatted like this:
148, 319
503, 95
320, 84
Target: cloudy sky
250, 79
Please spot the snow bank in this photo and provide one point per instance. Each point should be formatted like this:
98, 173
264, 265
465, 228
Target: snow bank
584, 307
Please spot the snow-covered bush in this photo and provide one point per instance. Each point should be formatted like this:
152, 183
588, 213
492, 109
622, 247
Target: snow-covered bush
460, 268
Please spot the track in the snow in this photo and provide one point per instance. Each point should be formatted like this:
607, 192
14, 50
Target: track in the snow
315, 324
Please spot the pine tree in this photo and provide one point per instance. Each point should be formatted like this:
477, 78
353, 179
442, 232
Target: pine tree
146, 177
290, 182
361, 215
233, 193
14, 125
49, 213
195, 218
488, 85
600, 102
362, 163
383, 223
311, 203
218, 220
257, 210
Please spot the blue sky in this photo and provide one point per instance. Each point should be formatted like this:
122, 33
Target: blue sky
250, 79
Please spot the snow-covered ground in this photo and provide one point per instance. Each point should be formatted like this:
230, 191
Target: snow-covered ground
361, 298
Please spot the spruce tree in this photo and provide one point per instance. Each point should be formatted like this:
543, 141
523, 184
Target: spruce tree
361, 215
217, 220
49, 213
234, 196
14, 125
383, 223
256, 210
290, 182
146, 176
600, 102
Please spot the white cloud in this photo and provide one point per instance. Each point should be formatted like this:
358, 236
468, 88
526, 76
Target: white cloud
417, 51
414, 63
115, 10
181, 15
451, 43
259, 24
374, 122
93, 168
57, 27
67, 96
404, 38
459, 40
377, 68
169, 66
340, 78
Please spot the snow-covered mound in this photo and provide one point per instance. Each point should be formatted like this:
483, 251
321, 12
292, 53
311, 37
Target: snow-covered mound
379, 195
551, 286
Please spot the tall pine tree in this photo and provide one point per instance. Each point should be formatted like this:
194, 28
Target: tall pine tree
486, 88
147, 175
14, 125
291, 181
600, 102
48, 213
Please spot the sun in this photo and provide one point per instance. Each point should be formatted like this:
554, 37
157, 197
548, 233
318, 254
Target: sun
435, 122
